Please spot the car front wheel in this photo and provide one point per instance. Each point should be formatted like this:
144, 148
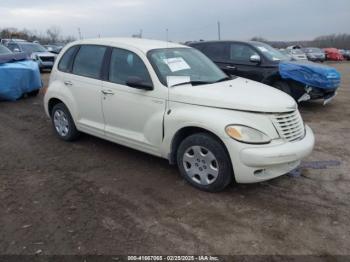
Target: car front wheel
204, 162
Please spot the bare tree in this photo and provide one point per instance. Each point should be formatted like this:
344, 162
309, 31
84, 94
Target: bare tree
54, 33
259, 39
341, 41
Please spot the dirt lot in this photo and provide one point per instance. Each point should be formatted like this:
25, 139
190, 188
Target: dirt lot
95, 197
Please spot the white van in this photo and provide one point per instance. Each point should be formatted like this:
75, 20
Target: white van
171, 101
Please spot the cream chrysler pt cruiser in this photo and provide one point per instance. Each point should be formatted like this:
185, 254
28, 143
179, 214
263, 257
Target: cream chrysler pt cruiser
171, 101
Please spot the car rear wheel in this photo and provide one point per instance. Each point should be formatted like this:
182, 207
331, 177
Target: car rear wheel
204, 162
63, 123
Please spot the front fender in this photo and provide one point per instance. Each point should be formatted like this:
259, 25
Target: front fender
211, 119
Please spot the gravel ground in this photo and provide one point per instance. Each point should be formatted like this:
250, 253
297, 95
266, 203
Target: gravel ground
95, 197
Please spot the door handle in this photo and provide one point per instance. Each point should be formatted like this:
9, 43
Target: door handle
68, 83
231, 67
107, 92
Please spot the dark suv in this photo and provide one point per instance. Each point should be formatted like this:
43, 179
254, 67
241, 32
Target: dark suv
261, 62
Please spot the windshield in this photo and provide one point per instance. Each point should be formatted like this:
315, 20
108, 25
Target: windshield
32, 47
187, 62
4, 50
270, 52
285, 52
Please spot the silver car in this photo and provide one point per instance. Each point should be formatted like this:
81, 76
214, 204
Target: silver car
314, 54
35, 51
297, 54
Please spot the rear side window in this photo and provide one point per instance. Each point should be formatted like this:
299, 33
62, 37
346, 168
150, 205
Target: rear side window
215, 51
66, 59
126, 64
88, 61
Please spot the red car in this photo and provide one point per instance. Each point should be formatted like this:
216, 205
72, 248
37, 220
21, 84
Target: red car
333, 54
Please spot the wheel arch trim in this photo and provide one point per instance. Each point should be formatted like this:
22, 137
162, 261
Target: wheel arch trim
186, 131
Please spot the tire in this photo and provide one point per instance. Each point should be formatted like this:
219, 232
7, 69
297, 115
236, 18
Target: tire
63, 123
212, 170
34, 93
283, 86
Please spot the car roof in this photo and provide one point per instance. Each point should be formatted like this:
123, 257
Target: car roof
311, 47
144, 45
226, 41
14, 40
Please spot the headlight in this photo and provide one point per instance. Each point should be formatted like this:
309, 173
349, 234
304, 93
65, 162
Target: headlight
35, 57
247, 134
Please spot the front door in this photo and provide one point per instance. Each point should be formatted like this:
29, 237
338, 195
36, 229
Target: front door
239, 63
133, 116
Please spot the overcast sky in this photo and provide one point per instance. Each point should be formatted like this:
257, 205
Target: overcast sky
185, 19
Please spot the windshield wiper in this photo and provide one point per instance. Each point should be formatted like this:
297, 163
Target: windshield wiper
194, 83
226, 78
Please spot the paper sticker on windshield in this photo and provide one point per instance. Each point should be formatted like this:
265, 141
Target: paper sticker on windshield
176, 64
262, 49
275, 59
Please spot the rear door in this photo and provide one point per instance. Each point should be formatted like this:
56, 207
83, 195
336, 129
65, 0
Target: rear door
83, 80
219, 53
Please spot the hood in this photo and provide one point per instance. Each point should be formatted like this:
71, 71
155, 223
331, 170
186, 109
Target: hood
311, 74
237, 94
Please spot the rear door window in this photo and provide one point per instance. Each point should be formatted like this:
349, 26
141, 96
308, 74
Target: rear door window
215, 51
125, 65
88, 61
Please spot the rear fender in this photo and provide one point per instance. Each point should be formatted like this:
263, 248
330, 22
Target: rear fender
59, 91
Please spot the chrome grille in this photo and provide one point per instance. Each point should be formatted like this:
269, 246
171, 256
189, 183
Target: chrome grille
47, 58
290, 126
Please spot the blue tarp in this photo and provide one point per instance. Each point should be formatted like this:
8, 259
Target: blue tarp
310, 74
18, 78
12, 57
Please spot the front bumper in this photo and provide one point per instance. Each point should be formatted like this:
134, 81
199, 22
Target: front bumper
314, 93
254, 163
318, 93
316, 59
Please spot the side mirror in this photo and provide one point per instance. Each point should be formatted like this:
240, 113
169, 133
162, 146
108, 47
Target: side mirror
255, 59
16, 50
137, 82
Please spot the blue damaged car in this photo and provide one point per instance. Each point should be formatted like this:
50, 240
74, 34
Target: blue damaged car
18, 75
303, 80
